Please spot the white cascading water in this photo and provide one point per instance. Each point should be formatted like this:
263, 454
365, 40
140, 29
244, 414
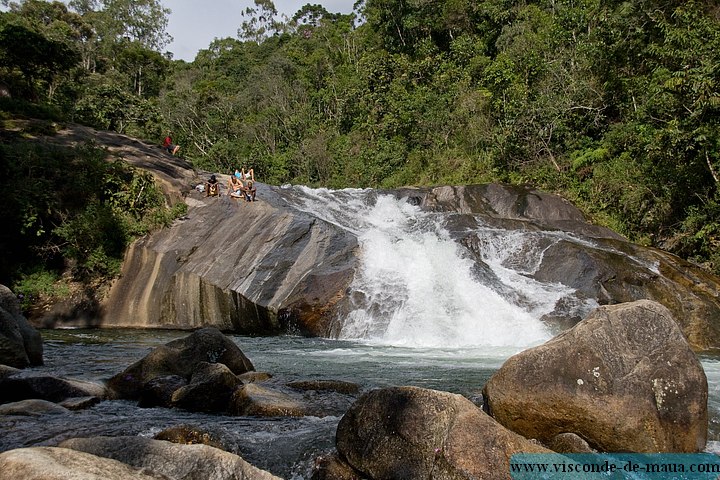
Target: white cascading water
415, 286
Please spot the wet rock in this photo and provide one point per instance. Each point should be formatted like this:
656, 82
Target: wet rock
338, 386
330, 467
180, 357
80, 403
252, 399
410, 432
619, 272
53, 389
569, 443
158, 392
7, 371
32, 407
174, 461
52, 463
209, 390
254, 377
191, 435
624, 379
20, 344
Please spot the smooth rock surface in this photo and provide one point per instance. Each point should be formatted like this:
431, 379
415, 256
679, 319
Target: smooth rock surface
52, 463
624, 379
416, 433
174, 461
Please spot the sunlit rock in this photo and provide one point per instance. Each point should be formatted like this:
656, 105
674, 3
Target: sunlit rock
253, 399
172, 460
624, 379
410, 432
52, 463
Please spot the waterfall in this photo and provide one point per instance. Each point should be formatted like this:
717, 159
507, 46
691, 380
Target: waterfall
418, 287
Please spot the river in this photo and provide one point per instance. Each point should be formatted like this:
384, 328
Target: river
286, 447
425, 312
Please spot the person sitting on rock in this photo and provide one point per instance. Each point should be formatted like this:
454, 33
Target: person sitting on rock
249, 175
211, 187
170, 146
235, 185
250, 191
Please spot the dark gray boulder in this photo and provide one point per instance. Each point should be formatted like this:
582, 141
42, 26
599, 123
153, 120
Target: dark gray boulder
624, 379
180, 357
20, 343
209, 390
158, 391
45, 387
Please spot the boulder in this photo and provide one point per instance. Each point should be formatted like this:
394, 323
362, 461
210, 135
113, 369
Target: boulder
158, 392
191, 435
32, 407
270, 269
325, 385
20, 343
252, 399
569, 443
180, 357
52, 463
618, 272
255, 377
174, 461
209, 390
80, 403
53, 389
624, 379
331, 467
6, 371
416, 433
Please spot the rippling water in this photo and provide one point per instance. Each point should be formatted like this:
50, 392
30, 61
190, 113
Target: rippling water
286, 447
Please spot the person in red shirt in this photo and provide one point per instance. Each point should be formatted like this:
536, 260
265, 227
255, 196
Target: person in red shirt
170, 146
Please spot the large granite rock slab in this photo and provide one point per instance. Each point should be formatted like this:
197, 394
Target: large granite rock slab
272, 266
624, 380
258, 267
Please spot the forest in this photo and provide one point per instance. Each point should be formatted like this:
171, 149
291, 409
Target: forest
612, 104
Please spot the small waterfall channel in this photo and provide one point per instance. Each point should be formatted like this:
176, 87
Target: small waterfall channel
418, 286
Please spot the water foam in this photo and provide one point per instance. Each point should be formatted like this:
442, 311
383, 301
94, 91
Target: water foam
416, 286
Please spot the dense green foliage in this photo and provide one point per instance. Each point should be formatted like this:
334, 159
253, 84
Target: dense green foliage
613, 104
69, 211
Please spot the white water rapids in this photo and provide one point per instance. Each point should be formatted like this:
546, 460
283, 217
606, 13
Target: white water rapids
417, 287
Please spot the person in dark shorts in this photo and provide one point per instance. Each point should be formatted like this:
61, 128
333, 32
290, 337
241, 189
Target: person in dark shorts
212, 187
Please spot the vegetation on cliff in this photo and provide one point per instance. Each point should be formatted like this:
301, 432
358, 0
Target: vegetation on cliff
613, 104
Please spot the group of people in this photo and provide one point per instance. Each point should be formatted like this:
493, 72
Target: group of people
240, 185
